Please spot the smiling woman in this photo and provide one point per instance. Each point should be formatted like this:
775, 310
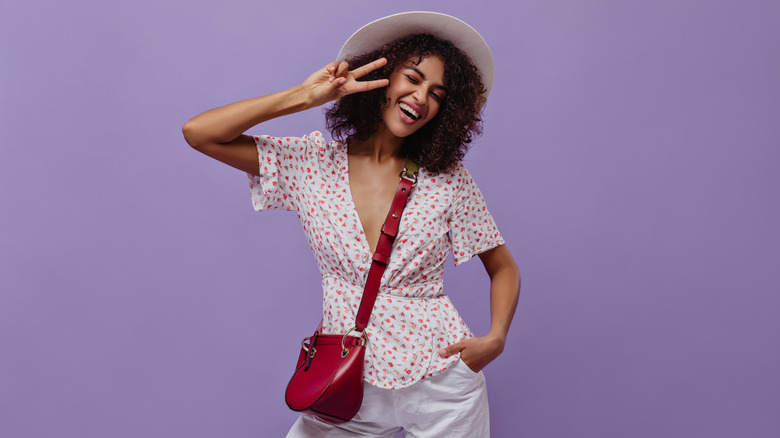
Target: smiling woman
415, 95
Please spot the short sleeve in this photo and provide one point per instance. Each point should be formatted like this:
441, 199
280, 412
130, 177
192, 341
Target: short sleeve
279, 183
472, 228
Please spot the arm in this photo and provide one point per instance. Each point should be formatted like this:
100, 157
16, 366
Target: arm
218, 132
504, 290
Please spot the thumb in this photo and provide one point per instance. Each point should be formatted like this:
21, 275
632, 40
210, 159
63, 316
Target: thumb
452, 349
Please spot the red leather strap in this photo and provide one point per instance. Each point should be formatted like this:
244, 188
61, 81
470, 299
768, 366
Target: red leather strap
383, 248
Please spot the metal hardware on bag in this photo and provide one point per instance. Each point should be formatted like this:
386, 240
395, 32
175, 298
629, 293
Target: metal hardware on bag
344, 349
404, 175
306, 348
310, 349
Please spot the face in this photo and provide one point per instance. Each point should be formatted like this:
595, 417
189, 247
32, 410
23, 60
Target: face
414, 96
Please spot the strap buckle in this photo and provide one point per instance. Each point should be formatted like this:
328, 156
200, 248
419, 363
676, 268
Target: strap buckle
412, 178
410, 171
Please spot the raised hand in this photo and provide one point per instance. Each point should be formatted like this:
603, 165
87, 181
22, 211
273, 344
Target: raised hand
336, 80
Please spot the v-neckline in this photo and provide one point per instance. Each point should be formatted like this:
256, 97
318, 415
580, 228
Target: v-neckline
353, 207
351, 201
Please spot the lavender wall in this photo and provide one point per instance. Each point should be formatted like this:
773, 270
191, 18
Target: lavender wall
630, 158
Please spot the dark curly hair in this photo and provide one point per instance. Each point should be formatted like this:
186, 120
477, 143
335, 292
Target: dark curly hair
442, 142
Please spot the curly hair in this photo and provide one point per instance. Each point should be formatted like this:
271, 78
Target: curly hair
442, 142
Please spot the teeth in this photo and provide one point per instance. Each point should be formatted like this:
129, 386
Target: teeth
409, 110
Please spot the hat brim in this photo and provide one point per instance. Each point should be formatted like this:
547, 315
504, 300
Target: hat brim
384, 30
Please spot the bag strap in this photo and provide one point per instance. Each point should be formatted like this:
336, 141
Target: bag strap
385, 245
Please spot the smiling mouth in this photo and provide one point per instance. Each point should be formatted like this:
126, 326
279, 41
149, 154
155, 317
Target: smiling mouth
409, 111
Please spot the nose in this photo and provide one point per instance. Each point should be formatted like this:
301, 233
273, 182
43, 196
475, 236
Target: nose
416, 94
419, 94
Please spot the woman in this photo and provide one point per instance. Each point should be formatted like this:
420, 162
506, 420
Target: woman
415, 93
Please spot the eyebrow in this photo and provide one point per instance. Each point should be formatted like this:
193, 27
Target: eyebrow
422, 76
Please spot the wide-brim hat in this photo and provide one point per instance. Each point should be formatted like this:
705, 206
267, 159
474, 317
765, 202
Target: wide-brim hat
384, 30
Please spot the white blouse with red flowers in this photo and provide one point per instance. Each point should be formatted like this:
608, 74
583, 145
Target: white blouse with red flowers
412, 318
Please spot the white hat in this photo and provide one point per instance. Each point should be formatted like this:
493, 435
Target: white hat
384, 30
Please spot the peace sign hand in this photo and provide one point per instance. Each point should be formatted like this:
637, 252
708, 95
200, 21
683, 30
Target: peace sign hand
336, 80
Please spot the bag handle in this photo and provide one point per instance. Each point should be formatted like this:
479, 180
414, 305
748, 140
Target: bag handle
387, 235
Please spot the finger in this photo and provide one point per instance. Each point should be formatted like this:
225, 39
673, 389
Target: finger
368, 68
340, 71
452, 349
330, 69
357, 87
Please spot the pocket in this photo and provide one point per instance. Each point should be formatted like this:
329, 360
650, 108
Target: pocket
466, 367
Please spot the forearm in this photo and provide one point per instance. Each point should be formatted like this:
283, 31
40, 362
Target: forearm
504, 292
226, 123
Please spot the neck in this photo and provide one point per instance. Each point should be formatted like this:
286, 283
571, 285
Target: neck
381, 146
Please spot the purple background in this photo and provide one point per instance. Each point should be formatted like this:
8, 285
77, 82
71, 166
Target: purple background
630, 158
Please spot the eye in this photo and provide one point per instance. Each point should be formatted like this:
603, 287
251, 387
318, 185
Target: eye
412, 79
438, 96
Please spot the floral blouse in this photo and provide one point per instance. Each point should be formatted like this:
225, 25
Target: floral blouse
412, 318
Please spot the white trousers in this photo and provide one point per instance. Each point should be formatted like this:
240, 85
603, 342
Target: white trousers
452, 404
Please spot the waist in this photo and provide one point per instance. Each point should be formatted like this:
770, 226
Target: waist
416, 290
